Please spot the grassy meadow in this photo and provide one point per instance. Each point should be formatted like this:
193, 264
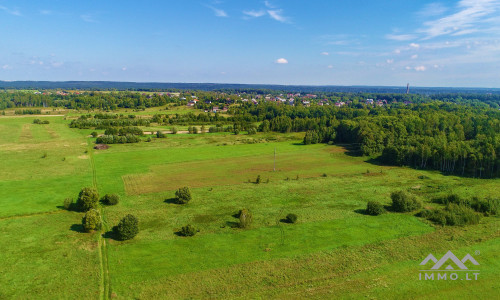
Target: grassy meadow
334, 251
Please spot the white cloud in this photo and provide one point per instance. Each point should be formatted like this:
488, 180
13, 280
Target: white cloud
281, 61
415, 56
470, 14
420, 68
325, 53
56, 64
268, 4
45, 12
218, 12
408, 68
254, 13
397, 51
124, 69
330, 67
414, 45
14, 12
6, 67
400, 37
432, 10
390, 61
277, 15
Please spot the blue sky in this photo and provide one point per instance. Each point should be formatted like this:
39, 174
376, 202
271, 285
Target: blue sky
336, 42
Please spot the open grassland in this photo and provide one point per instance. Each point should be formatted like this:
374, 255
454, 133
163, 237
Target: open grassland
334, 251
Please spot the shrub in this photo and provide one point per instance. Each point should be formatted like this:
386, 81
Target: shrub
258, 180
127, 228
92, 220
291, 218
160, 135
452, 215
487, 206
111, 199
245, 217
183, 195
87, 199
174, 130
188, 230
404, 202
93, 134
374, 208
68, 203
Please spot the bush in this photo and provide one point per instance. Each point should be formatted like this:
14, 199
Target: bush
404, 202
110, 199
486, 206
87, 199
68, 203
452, 215
245, 217
94, 134
258, 180
160, 135
183, 195
374, 208
291, 218
92, 220
127, 228
188, 230
174, 130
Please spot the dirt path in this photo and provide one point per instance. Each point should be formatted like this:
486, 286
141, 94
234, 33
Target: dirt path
104, 288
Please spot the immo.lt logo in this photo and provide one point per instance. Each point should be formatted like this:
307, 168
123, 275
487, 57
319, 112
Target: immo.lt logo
449, 267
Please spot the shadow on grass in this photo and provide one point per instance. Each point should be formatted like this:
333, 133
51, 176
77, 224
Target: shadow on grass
232, 224
361, 211
171, 201
77, 228
110, 235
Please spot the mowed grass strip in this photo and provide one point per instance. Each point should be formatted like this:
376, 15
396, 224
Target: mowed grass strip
237, 170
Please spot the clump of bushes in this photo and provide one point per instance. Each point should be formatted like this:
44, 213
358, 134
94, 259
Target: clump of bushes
404, 202
160, 135
183, 195
87, 199
452, 215
245, 217
92, 220
110, 199
117, 139
68, 203
188, 230
127, 228
291, 218
374, 208
487, 206
38, 121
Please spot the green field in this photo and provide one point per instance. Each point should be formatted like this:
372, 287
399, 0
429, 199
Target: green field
334, 251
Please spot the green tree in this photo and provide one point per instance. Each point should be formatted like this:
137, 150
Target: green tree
127, 228
404, 202
87, 199
188, 230
92, 220
183, 195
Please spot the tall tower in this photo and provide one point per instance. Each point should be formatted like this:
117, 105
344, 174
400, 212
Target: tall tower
407, 88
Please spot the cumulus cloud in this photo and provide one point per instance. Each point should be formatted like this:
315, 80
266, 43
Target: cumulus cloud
420, 68
281, 61
415, 56
414, 45
330, 67
124, 69
325, 53
390, 61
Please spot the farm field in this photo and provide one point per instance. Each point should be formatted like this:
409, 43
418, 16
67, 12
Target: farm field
334, 251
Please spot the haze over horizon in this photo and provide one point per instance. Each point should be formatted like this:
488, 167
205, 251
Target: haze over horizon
375, 43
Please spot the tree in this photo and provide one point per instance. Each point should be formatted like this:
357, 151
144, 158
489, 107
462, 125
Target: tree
68, 203
127, 228
92, 220
87, 199
183, 195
